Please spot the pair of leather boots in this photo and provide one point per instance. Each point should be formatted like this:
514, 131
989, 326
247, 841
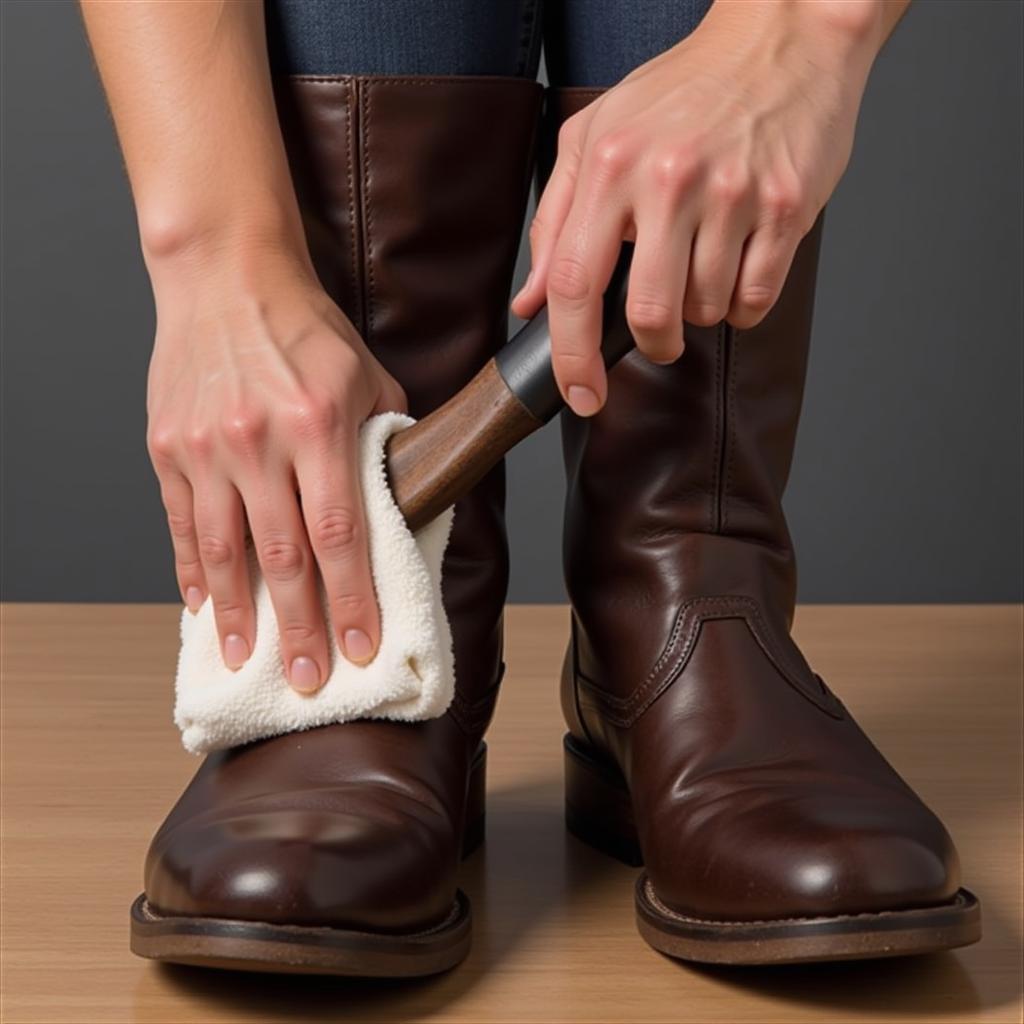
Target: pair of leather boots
700, 745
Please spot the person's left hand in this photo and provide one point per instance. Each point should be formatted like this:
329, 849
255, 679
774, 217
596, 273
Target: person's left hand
716, 157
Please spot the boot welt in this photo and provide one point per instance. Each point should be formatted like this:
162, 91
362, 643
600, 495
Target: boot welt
294, 949
599, 812
807, 939
234, 944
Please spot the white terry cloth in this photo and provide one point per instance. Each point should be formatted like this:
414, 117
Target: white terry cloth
411, 678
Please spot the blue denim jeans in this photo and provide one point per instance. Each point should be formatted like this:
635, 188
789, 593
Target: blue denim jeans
585, 42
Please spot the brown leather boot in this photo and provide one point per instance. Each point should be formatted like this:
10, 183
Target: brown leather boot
700, 743
335, 850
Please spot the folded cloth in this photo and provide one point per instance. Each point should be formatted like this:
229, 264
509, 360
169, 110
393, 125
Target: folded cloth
412, 676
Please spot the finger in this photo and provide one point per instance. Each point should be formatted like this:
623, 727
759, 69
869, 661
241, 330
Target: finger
581, 265
220, 529
552, 211
391, 397
332, 507
657, 284
283, 550
764, 265
179, 502
714, 265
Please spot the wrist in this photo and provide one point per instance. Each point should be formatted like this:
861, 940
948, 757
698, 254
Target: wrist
840, 35
178, 236
226, 264
191, 248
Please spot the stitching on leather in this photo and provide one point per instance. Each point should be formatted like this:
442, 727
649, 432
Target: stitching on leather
651, 895
715, 496
351, 187
580, 90
424, 80
624, 711
727, 427
148, 912
370, 310
682, 619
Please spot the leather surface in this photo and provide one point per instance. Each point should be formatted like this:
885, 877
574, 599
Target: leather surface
755, 793
413, 192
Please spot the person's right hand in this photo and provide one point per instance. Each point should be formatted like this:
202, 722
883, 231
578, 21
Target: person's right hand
257, 387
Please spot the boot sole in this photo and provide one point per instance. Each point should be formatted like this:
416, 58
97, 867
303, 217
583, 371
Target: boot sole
599, 812
265, 947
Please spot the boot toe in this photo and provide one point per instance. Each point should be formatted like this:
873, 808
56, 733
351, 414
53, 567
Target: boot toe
819, 857
372, 867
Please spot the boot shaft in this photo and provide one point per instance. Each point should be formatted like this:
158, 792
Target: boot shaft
413, 192
674, 490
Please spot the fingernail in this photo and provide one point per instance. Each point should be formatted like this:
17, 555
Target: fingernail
583, 401
236, 651
193, 598
357, 646
304, 676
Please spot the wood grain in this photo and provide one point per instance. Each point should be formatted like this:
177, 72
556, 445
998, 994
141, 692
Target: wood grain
438, 459
91, 762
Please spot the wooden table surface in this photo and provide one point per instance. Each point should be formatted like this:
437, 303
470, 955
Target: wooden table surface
91, 762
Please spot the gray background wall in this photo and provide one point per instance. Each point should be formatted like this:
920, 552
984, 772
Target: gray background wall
907, 482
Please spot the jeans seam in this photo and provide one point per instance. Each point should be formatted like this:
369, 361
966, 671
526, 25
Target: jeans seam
528, 36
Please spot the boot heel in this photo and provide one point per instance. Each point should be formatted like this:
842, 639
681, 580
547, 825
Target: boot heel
476, 802
598, 809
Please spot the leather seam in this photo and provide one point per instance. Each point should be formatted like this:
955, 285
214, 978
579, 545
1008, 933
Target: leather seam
714, 498
369, 279
624, 711
422, 80
350, 160
683, 918
682, 620
577, 676
578, 90
727, 427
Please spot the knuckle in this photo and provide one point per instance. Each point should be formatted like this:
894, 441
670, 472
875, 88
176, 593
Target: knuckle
568, 279
243, 429
675, 170
335, 530
755, 300
298, 633
181, 526
161, 443
348, 606
782, 199
729, 186
188, 566
314, 415
227, 610
571, 359
281, 559
538, 229
198, 441
705, 312
214, 550
645, 314
611, 155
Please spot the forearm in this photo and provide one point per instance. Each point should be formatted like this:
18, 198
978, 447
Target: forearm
845, 35
190, 92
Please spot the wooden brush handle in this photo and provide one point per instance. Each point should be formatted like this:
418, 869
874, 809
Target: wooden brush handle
438, 459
